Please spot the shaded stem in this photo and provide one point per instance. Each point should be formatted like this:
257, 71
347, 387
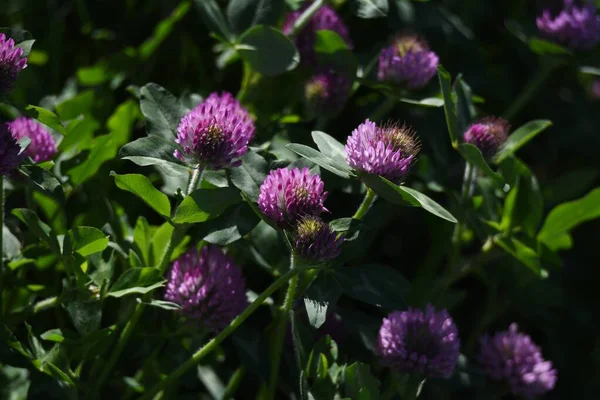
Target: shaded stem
365, 205
543, 72
45, 304
280, 332
176, 235
214, 342
234, 383
1, 243
384, 108
458, 228
194, 180
305, 17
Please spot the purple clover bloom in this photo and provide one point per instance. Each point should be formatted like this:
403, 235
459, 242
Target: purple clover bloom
11, 63
9, 151
407, 62
511, 357
488, 135
324, 19
42, 147
316, 242
216, 133
388, 151
577, 27
414, 341
326, 92
208, 286
287, 195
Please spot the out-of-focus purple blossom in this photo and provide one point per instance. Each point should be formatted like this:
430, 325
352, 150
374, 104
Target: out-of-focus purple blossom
11, 63
216, 133
208, 286
287, 195
9, 151
326, 92
576, 26
407, 62
42, 146
324, 19
595, 89
388, 151
512, 358
414, 341
488, 135
316, 242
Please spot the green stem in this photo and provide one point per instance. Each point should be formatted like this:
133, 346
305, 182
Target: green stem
384, 108
178, 232
305, 17
366, 203
280, 332
1, 242
544, 71
458, 228
225, 333
193, 184
234, 383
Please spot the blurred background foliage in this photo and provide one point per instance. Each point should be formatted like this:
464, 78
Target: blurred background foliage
91, 57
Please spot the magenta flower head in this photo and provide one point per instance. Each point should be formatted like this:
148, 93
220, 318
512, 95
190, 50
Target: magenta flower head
512, 358
324, 19
420, 342
407, 62
11, 63
287, 195
488, 135
316, 242
388, 151
9, 151
576, 26
208, 286
42, 147
216, 133
326, 92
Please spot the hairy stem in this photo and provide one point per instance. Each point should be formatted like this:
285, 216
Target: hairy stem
225, 333
305, 17
280, 332
193, 184
178, 232
365, 205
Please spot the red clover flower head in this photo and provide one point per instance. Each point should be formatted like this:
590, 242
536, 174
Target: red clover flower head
324, 19
287, 195
513, 358
216, 133
316, 242
420, 342
11, 63
208, 285
326, 92
42, 147
9, 151
488, 135
407, 62
576, 26
388, 151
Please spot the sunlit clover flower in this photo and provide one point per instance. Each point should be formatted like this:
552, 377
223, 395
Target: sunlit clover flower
488, 135
324, 19
326, 92
512, 358
414, 341
11, 63
316, 242
216, 133
388, 150
42, 146
407, 62
208, 286
576, 26
287, 195
9, 151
